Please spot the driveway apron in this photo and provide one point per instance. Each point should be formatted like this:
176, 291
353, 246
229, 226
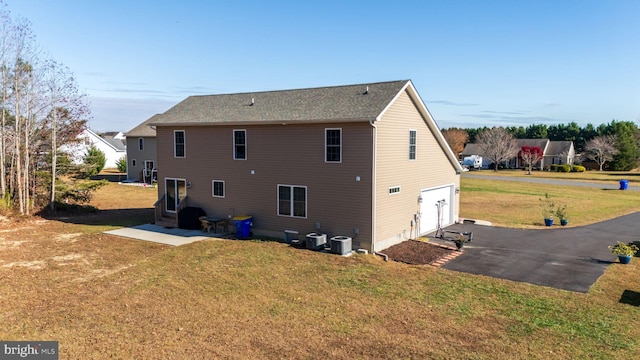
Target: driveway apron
564, 258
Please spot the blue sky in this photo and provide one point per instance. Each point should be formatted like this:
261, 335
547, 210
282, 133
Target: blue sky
474, 63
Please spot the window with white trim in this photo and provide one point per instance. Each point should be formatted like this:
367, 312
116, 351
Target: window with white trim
412, 144
333, 145
179, 149
394, 190
141, 144
239, 144
217, 188
292, 201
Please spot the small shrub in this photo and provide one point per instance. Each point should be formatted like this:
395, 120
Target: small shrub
79, 192
564, 168
578, 168
122, 164
548, 207
553, 167
94, 161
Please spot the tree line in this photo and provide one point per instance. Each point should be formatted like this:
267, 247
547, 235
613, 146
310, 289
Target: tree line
616, 142
41, 109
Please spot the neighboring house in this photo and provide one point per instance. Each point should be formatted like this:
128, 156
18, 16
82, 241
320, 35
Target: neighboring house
142, 152
118, 135
113, 149
560, 152
365, 161
554, 152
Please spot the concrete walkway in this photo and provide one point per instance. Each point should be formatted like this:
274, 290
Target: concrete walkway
162, 235
564, 258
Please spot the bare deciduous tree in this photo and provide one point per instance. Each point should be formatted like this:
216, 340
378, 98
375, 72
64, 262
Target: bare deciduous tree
41, 109
601, 149
65, 103
497, 145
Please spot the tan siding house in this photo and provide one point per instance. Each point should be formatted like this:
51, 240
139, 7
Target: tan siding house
327, 159
142, 157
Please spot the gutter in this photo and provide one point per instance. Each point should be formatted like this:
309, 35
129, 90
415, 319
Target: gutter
373, 185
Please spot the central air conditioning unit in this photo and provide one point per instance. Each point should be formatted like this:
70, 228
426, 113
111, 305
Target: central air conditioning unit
341, 245
316, 241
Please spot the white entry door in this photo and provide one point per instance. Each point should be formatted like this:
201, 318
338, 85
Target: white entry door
429, 208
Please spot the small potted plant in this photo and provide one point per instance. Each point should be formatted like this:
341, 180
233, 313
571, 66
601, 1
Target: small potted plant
462, 238
624, 251
548, 209
561, 213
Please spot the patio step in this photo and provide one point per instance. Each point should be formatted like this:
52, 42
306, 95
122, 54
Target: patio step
167, 222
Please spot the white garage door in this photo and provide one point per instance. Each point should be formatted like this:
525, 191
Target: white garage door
429, 208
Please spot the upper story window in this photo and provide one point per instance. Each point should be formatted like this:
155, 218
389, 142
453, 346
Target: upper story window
333, 145
239, 144
140, 144
179, 144
412, 144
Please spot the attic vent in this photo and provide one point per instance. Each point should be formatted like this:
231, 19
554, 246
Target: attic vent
366, 91
252, 101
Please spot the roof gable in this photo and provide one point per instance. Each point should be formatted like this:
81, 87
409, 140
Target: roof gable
362, 102
559, 147
144, 129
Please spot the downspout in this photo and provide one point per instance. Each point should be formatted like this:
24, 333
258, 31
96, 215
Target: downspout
373, 185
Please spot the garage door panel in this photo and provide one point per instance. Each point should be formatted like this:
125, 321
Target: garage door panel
429, 208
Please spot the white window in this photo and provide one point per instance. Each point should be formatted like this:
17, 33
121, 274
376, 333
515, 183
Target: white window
140, 144
179, 148
239, 144
333, 145
394, 190
412, 144
292, 201
217, 188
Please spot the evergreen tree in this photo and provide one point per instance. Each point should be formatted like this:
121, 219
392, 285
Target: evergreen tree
628, 135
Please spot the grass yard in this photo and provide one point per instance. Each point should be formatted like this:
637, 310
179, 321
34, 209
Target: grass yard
518, 205
102, 296
590, 176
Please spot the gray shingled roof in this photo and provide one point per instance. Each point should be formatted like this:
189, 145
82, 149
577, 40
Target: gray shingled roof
144, 130
326, 104
116, 143
558, 147
542, 143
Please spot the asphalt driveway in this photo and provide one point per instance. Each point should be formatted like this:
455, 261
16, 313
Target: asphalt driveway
564, 258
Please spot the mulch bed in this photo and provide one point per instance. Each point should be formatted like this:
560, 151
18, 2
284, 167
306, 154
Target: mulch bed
416, 252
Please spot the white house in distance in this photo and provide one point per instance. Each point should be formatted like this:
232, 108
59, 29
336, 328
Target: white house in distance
112, 148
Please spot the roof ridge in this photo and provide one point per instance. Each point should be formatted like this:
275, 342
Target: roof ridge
300, 89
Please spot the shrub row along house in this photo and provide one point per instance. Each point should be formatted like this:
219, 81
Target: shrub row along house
365, 161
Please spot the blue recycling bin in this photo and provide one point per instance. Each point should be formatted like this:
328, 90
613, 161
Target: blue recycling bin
624, 184
243, 226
